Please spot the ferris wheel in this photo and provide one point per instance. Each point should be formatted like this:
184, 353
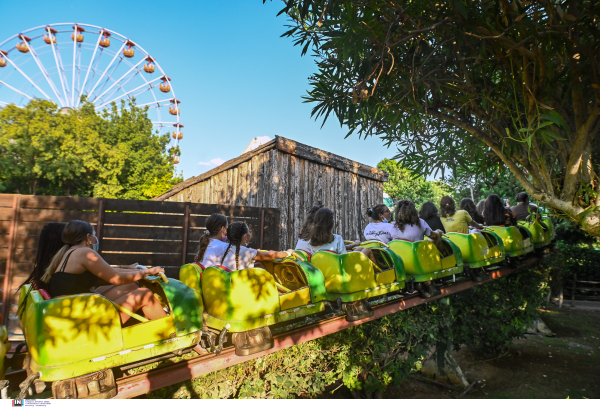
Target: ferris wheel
65, 61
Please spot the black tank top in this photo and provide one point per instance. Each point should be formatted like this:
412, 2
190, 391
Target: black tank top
63, 283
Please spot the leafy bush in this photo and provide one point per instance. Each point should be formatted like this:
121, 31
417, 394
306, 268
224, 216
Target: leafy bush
490, 316
369, 357
567, 260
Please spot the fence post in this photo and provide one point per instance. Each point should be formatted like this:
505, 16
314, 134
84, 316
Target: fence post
12, 236
186, 227
262, 228
100, 222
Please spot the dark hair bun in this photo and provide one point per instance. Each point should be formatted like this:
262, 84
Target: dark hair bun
370, 212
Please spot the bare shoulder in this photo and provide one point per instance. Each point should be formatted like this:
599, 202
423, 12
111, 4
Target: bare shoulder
86, 253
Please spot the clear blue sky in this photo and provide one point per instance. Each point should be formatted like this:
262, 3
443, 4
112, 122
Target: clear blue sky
236, 78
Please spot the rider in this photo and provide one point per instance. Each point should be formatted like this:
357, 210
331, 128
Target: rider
77, 267
523, 208
238, 255
379, 228
408, 225
429, 213
212, 244
456, 220
495, 214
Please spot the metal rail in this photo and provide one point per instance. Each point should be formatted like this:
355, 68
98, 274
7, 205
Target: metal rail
142, 383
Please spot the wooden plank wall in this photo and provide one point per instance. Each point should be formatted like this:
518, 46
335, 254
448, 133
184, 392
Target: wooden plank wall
279, 180
151, 233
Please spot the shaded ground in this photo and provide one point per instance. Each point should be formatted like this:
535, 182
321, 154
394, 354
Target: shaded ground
567, 365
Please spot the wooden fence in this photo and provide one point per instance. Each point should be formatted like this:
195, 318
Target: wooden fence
152, 233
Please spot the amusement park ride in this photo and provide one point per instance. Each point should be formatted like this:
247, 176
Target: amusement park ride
64, 62
77, 347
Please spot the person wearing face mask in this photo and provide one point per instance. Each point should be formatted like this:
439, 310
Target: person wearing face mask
238, 255
77, 267
379, 228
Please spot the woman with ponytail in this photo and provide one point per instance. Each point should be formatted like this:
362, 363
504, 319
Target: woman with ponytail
212, 242
238, 256
77, 267
379, 228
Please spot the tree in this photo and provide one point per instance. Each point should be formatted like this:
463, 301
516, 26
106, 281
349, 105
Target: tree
404, 184
81, 153
505, 185
467, 86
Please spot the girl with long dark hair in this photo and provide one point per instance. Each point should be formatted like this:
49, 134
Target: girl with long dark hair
429, 213
77, 267
322, 238
457, 221
379, 228
468, 205
495, 214
304, 235
408, 225
49, 243
238, 256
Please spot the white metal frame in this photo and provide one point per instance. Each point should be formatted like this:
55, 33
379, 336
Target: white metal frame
73, 90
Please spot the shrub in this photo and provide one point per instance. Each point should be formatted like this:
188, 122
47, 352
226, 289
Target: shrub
371, 356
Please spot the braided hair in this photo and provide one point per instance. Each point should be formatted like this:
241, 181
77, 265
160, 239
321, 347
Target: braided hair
214, 223
406, 214
308, 223
235, 233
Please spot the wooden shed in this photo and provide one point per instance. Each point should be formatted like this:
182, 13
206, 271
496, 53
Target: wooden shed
290, 176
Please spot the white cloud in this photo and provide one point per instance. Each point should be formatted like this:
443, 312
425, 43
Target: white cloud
213, 163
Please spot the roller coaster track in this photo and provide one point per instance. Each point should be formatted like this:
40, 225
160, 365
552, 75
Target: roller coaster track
142, 383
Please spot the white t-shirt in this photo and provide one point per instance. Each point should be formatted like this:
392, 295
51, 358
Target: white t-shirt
303, 245
214, 253
378, 231
411, 232
246, 258
337, 245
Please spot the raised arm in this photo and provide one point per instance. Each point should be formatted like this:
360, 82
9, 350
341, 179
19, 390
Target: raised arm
93, 262
272, 255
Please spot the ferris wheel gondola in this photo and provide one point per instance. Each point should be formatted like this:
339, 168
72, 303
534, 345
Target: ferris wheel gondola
65, 62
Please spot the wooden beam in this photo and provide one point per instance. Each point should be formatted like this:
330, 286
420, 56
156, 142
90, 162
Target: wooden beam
290, 147
332, 160
6, 298
223, 167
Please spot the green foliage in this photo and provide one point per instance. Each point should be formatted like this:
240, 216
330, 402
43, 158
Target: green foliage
369, 357
504, 184
404, 184
490, 316
82, 153
569, 234
467, 86
567, 260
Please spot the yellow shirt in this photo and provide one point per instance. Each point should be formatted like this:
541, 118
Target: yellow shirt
459, 222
